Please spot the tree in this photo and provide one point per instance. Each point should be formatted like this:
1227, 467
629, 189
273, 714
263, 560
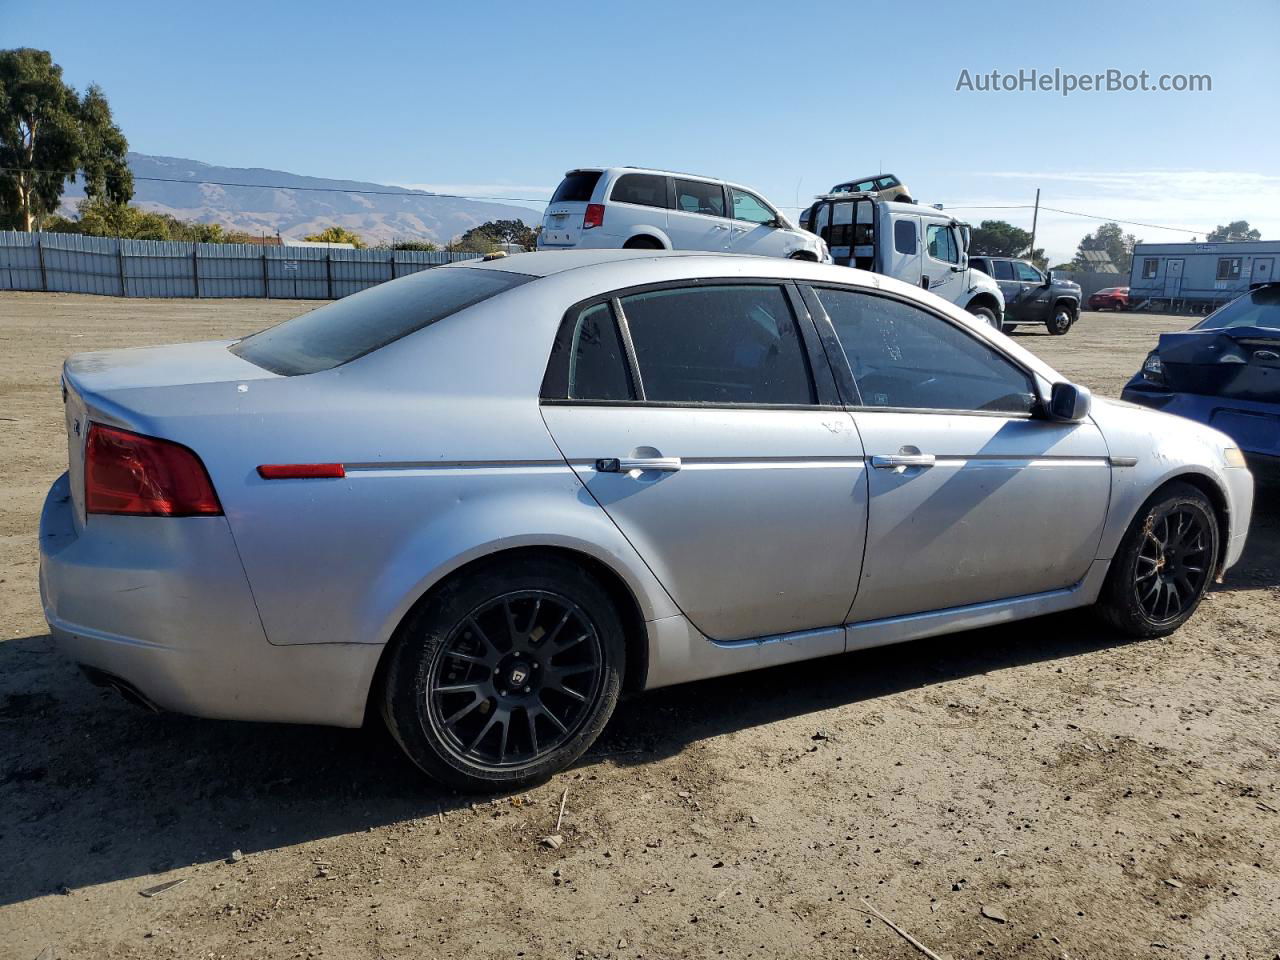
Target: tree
485, 237
1235, 230
47, 134
1111, 240
336, 235
995, 238
99, 217
424, 245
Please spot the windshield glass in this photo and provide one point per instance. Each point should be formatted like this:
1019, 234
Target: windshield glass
1258, 308
364, 322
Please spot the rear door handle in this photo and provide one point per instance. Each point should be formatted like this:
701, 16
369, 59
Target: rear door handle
627, 464
900, 461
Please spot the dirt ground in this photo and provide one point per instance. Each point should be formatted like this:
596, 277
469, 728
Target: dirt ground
1038, 790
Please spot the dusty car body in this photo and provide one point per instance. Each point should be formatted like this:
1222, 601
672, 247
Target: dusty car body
486, 477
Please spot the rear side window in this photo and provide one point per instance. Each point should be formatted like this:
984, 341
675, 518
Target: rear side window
364, 322
718, 344
904, 357
904, 237
1003, 269
644, 189
576, 187
694, 196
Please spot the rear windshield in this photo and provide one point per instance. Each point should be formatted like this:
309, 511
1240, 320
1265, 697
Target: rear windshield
577, 187
1260, 308
366, 321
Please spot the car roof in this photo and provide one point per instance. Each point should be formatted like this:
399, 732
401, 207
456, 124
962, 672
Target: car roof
545, 263
660, 173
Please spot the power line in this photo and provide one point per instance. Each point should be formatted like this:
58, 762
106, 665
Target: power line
406, 192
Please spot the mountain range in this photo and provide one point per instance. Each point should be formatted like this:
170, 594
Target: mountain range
180, 187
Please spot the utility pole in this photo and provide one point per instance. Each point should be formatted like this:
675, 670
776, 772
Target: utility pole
1034, 218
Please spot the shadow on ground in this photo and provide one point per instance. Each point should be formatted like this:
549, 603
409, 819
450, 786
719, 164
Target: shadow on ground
95, 790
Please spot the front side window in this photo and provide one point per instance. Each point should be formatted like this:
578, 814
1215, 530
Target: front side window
644, 189
904, 357
695, 196
749, 207
1150, 267
1027, 273
904, 237
353, 326
1229, 268
942, 243
719, 345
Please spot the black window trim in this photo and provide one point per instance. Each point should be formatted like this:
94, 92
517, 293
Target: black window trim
844, 374
822, 377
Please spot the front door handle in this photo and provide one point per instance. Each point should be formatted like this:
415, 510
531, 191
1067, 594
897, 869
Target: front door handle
627, 464
900, 461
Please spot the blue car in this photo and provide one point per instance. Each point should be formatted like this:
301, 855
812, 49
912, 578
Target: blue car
1224, 371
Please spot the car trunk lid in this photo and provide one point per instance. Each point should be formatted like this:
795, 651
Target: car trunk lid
562, 221
1241, 363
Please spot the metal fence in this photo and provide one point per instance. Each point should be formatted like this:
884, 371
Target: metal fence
113, 267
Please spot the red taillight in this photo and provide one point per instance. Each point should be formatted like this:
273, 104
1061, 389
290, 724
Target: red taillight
594, 217
127, 473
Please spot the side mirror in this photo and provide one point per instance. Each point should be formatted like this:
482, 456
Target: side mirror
1069, 402
1048, 278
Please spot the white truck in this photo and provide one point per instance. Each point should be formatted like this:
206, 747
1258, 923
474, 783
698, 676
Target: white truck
917, 244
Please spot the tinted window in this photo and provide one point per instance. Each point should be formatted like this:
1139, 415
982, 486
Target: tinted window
884, 183
902, 356
597, 362
576, 187
942, 244
721, 344
373, 318
1261, 308
980, 263
747, 206
693, 196
1027, 273
1003, 269
904, 236
642, 188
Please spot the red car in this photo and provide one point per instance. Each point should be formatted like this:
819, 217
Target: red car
1111, 298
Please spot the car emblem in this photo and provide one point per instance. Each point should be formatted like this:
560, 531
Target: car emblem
518, 676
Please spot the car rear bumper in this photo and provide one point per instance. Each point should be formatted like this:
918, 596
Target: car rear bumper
163, 605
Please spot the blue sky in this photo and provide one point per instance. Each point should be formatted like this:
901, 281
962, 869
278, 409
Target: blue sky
501, 98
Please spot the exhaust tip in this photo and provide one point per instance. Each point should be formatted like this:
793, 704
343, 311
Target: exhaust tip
100, 678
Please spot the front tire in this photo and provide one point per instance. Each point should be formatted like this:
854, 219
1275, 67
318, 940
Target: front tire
1061, 320
1164, 565
506, 675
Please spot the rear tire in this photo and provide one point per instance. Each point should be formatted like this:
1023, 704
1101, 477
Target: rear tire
1164, 565
506, 675
642, 243
1061, 321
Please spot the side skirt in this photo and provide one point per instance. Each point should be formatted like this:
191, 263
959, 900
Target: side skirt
679, 653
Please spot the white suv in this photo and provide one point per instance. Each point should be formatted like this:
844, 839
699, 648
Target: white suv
655, 209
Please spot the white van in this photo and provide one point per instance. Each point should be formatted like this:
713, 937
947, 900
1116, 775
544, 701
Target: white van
629, 207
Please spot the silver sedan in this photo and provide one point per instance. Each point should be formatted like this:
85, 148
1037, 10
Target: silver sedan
487, 499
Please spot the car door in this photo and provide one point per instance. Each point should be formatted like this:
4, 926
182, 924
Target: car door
691, 414
1034, 301
939, 271
973, 498
697, 221
903, 261
1010, 287
755, 226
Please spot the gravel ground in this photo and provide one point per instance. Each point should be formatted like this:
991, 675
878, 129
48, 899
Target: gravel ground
1037, 790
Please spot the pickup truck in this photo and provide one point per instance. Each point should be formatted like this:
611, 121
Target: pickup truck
1031, 296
